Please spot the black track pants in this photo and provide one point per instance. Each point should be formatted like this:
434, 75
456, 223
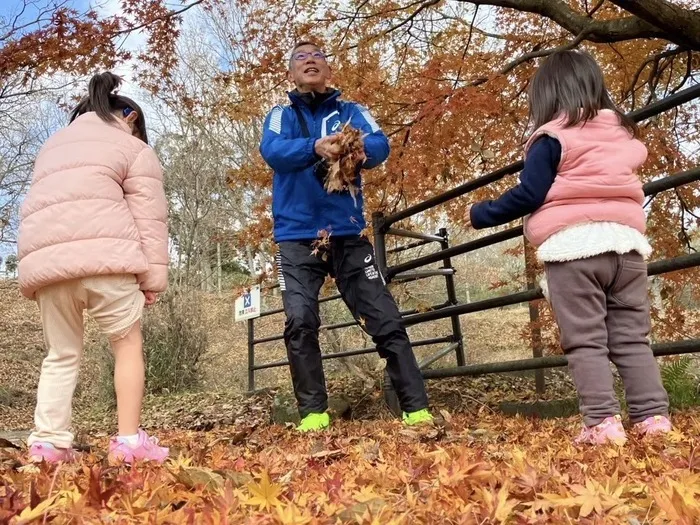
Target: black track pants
351, 262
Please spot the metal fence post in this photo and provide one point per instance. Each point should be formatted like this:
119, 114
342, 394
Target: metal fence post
452, 298
379, 227
251, 355
383, 227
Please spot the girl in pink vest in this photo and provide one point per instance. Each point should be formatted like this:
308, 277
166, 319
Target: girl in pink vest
93, 236
584, 200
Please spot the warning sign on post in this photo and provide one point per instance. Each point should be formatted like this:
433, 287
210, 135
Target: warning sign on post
248, 305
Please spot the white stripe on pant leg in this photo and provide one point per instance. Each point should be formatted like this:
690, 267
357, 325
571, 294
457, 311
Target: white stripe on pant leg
379, 270
280, 274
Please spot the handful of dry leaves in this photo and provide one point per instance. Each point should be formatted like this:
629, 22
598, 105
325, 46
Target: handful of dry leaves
342, 173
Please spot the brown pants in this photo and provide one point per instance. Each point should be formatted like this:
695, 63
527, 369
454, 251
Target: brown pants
602, 307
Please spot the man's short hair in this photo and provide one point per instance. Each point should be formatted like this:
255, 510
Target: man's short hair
298, 45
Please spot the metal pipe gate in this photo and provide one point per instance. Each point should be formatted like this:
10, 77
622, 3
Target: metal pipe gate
451, 308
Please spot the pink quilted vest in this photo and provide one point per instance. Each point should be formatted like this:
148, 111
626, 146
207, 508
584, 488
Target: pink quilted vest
596, 179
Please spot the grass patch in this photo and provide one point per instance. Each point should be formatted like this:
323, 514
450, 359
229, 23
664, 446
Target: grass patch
680, 383
174, 340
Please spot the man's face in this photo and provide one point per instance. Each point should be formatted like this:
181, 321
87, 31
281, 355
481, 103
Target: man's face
309, 70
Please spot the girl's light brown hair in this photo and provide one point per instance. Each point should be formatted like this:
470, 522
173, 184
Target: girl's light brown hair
571, 84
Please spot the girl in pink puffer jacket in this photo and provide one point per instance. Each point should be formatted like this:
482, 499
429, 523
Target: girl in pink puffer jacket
93, 236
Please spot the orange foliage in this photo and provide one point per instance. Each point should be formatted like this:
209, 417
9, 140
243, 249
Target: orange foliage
449, 88
446, 81
63, 39
441, 98
476, 469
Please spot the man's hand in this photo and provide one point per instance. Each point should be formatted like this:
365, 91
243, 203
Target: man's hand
328, 148
151, 298
468, 221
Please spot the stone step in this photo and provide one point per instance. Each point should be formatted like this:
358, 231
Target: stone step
16, 437
542, 409
284, 408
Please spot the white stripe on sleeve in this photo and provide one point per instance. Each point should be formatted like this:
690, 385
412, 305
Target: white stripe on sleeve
370, 120
276, 120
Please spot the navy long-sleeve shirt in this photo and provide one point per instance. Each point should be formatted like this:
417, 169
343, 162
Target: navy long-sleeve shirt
536, 179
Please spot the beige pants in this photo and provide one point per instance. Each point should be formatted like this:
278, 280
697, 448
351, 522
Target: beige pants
116, 303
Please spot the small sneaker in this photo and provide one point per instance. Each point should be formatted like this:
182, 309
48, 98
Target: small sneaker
145, 449
609, 431
314, 422
654, 425
40, 451
420, 417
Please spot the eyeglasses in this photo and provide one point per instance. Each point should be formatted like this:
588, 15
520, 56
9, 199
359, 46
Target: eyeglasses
303, 55
127, 111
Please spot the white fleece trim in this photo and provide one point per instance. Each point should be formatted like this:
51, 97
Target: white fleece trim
588, 240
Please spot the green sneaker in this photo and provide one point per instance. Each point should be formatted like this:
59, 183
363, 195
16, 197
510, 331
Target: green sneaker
314, 422
418, 418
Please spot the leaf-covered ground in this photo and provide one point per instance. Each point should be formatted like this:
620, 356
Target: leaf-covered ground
478, 468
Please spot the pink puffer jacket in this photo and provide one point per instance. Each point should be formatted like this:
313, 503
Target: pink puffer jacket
96, 206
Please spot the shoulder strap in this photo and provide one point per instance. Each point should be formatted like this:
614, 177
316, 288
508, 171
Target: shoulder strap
302, 121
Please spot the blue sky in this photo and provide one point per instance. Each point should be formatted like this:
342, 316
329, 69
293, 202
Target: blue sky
10, 9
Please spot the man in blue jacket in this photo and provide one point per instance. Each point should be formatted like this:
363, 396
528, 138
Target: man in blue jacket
298, 143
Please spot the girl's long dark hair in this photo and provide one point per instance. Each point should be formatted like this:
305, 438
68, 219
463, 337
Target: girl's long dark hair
103, 100
571, 84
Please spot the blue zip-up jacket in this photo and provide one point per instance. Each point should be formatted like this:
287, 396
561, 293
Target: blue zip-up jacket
300, 205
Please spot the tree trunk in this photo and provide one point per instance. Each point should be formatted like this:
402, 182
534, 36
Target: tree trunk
218, 268
205, 265
682, 23
251, 260
189, 253
180, 232
334, 342
535, 330
656, 301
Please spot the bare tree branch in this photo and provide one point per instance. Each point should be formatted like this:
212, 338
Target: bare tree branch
543, 53
683, 24
421, 8
170, 14
601, 31
43, 15
688, 73
352, 21
595, 8
654, 59
466, 47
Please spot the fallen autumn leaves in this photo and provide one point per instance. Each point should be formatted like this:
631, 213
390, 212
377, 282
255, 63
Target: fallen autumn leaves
481, 469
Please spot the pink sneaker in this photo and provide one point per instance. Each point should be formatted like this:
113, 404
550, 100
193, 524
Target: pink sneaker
39, 452
609, 431
146, 449
654, 425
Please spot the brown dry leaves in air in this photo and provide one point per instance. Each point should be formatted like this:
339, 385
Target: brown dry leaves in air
342, 174
477, 469
321, 244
